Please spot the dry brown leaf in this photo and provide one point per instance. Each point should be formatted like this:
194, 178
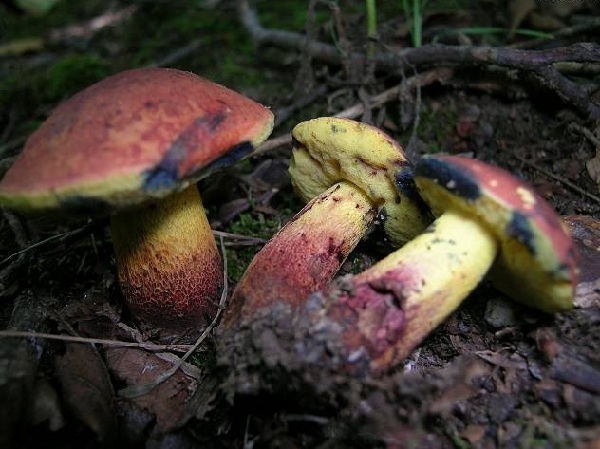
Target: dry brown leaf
46, 407
87, 390
473, 433
450, 398
513, 361
268, 175
167, 401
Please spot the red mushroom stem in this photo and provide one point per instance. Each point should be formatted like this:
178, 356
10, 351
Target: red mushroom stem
167, 260
306, 253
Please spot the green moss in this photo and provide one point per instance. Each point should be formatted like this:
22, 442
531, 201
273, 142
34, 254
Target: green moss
436, 127
257, 224
204, 358
179, 25
64, 13
289, 15
73, 73
254, 224
20, 92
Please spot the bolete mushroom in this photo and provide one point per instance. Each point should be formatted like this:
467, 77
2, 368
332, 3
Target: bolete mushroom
331, 150
486, 219
365, 325
348, 172
135, 144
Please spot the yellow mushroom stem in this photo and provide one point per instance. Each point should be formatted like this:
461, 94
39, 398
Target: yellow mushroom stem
306, 253
168, 264
399, 300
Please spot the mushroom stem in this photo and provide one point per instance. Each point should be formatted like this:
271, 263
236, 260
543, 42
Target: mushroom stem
307, 252
329, 149
399, 300
167, 260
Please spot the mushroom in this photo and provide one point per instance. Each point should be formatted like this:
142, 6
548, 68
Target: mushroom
348, 172
365, 325
135, 144
486, 219
329, 150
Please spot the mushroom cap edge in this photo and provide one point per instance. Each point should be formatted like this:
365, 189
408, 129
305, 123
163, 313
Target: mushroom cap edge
135, 136
536, 262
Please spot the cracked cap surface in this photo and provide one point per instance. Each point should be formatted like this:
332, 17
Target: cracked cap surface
139, 134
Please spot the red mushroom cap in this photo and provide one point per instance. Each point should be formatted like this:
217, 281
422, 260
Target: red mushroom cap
536, 262
141, 133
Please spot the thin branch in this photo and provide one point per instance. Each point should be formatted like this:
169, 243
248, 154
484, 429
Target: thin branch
356, 110
100, 341
53, 238
538, 61
587, 133
282, 114
89, 28
178, 54
8, 274
88, 226
561, 179
240, 239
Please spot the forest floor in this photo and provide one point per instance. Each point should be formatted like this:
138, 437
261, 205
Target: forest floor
495, 374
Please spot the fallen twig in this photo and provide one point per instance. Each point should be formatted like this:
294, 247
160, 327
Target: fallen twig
538, 62
92, 26
51, 239
440, 74
7, 274
561, 179
586, 132
99, 341
242, 239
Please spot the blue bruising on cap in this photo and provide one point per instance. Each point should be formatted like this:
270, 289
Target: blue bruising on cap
165, 176
238, 152
405, 183
520, 229
451, 178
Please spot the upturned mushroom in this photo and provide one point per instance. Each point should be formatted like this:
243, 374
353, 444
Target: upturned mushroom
349, 172
363, 326
135, 144
486, 219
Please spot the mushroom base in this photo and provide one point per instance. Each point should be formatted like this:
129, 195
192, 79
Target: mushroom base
361, 326
265, 370
169, 268
277, 352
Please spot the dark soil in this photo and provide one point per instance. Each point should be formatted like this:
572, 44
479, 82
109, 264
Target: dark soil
493, 375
